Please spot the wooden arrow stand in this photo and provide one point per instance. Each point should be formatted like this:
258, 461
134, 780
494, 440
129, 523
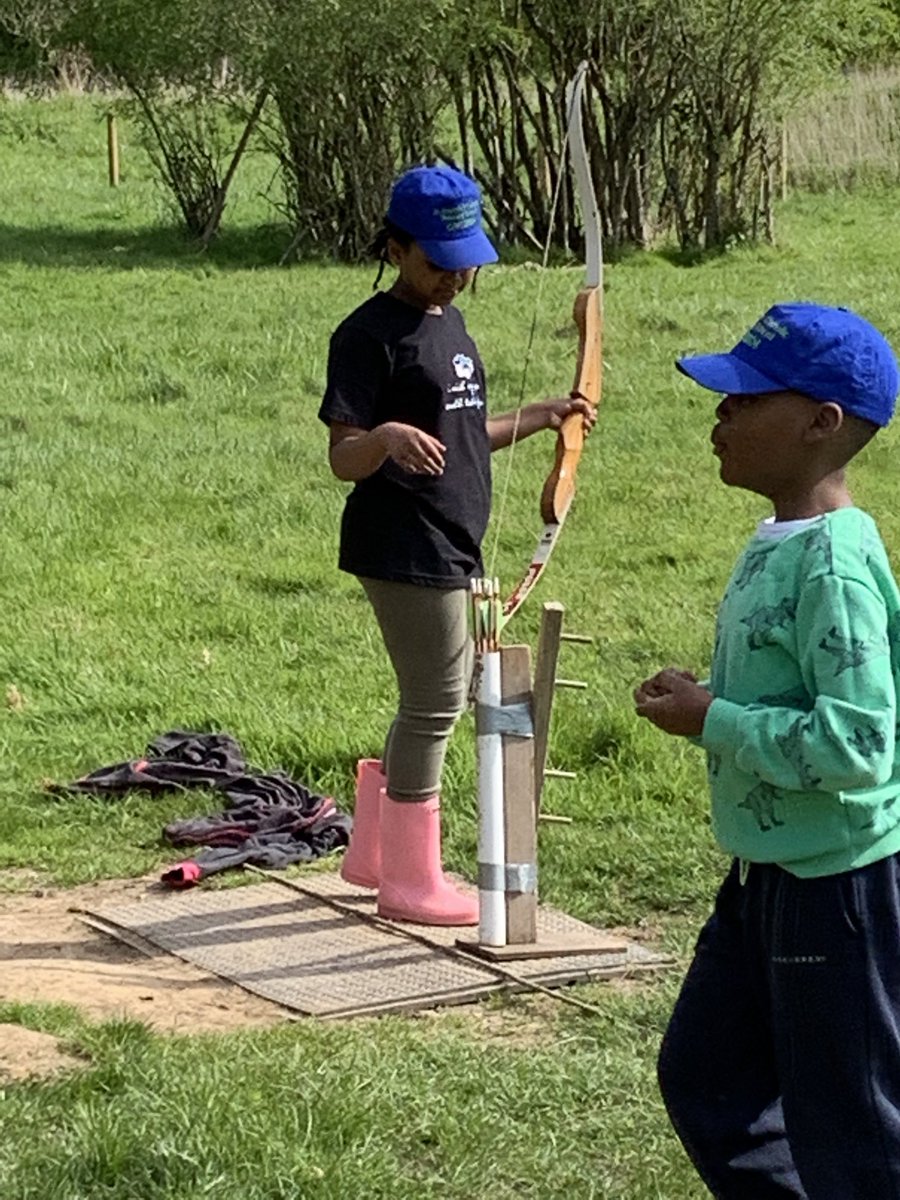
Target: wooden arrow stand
524, 770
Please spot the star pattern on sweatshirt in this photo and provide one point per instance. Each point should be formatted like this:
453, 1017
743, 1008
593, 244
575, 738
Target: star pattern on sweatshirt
818, 543
761, 802
753, 564
850, 651
762, 622
791, 746
867, 741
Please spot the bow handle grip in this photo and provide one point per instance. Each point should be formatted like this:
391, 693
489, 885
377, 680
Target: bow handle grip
559, 487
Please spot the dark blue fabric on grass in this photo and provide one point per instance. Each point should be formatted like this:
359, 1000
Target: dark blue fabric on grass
269, 819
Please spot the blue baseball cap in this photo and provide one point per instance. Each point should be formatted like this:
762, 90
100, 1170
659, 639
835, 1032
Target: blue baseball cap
441, 209
830, 354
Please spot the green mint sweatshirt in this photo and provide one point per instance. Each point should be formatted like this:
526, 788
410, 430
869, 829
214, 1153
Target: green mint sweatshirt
801, 736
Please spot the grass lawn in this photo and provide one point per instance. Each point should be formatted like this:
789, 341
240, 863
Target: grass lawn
168, 546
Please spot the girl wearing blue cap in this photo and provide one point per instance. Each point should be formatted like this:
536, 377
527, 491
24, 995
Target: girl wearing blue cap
405, 404
780, 1067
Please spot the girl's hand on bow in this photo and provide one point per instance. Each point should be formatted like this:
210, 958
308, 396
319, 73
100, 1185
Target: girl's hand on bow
556, 411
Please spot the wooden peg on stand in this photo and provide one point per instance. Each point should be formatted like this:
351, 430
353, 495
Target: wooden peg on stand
545, 684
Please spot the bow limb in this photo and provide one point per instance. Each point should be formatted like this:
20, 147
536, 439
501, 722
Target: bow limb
559, 487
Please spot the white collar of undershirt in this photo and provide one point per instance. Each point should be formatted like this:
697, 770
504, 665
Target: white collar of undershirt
772, 529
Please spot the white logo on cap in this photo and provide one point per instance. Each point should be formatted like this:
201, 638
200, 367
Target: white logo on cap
459, 216
767, 330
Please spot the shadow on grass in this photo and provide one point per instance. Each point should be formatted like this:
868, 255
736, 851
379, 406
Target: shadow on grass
282, 587
693, 256
158, 247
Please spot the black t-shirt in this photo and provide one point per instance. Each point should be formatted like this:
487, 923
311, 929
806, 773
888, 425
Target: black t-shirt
389, 361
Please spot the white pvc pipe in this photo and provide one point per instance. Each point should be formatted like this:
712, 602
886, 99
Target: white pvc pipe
491, 821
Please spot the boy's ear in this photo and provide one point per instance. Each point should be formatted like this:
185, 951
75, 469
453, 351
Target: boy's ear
827, 419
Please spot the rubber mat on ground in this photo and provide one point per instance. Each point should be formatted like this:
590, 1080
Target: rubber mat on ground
320, 953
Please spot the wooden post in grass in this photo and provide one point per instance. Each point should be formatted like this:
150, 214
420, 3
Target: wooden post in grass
112, 149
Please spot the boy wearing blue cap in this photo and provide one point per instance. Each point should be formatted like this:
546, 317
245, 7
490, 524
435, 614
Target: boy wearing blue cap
780, 1067
405, 403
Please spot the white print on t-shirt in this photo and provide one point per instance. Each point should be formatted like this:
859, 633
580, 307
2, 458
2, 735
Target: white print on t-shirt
467, 392
472, 400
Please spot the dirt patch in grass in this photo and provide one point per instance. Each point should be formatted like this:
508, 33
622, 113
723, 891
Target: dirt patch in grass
28, 1054
48, 955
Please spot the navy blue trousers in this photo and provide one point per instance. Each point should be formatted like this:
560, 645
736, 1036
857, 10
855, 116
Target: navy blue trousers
780, 1068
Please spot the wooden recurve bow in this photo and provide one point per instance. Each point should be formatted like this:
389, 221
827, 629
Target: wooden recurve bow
559, 487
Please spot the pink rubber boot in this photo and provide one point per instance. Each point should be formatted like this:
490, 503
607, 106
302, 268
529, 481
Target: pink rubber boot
413, 887
362, 858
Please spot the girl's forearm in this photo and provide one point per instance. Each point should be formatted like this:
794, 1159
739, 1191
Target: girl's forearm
359, 456
510, 427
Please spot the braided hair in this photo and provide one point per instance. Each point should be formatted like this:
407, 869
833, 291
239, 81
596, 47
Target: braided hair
379, 246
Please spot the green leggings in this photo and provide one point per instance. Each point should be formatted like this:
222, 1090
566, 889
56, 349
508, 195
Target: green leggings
426, 635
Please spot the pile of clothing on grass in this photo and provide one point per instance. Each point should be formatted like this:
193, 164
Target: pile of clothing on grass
268, 819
